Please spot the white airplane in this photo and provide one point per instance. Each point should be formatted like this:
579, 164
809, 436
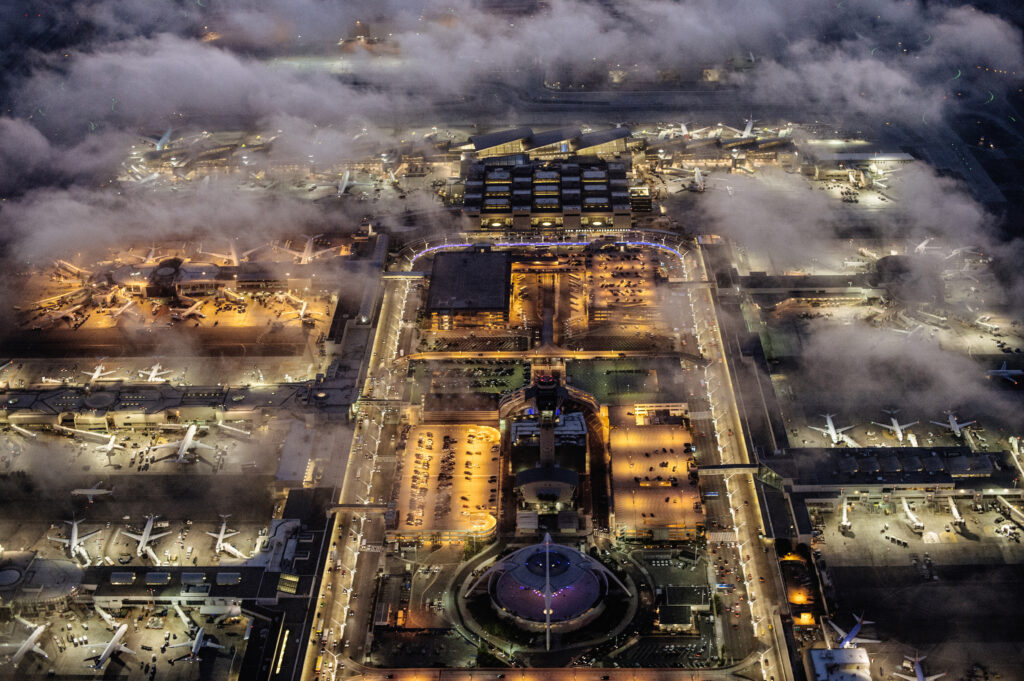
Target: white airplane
91, 492
231, 256
146, 536
153, 373
109, 446
849, 640
112, 648
184, 446
183, 313
918, 673
953, 424
923, 246
75, 542
197, 644
896, 427
307, 254
1008, 374
98, 372
30, 644
52, 318
222, 534
831, 430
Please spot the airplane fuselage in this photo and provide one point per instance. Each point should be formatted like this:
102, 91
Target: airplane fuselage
112, 647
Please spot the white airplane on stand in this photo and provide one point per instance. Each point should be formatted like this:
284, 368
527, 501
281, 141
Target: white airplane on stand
75, 542
146, 536
29, 645
918, 673
112, 648
183, 313
197, 644
98, 372
953, 425
222, 546
830, 429
307, 254
153, 373
185, 446
895, 426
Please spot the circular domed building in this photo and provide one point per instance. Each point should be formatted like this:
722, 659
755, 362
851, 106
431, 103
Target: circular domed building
548, 587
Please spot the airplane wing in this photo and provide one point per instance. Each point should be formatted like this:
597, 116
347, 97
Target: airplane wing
158, 535
842, 634
967, 423
943, 425
820, 430
858, 639
39, 651
200, 445
843, 430
58, 539
180, 645
882, 425
125, 649
83, 537
130, 535
207, 643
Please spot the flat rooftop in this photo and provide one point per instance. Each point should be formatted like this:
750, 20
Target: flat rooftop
469, 281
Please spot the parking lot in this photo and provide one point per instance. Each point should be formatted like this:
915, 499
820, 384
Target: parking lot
651, 478
449, 477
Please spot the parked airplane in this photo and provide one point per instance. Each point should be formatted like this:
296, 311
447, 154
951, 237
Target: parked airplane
146, 536
109, 649
30, 644
109, 446
1008, 374
222, 546
231, 256
918, 673
185, 446
830, 429
75, 542
923, 246
896, 427
98, 372
849, 640
52, 318
197, 644
307, 254
181, 314
153, 373
953, 424
91, 492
